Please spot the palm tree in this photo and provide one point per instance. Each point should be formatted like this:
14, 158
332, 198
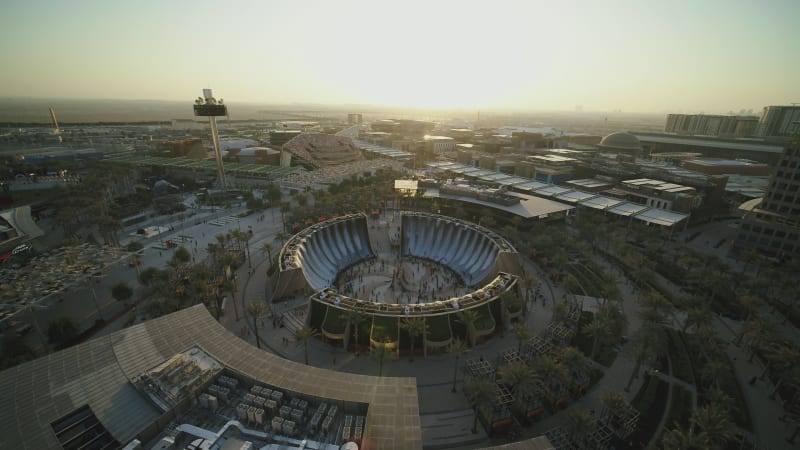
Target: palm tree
599, 328
61, 331
750, 304
616, 413
696, 316
713, 370
512, 303
551, 372
715, 424
574, 362
231, 288
303, 335
256, 310
456, 348
354, 318
379, 353
559, 312
527, 281
522, 333
122, 292
681, 439
572, 285
480, 394
468, 318
779, 356
266, 249
649, 338
518, 377
760, 331
716, 396
201, 276
415, 327
285, 208
791, 376
581, 426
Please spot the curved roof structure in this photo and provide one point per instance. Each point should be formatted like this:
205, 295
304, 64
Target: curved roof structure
98, 373
312, 258
621, 141
468, 249
321, 150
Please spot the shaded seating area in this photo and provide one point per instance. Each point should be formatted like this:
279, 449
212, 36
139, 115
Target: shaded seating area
464, 247
312, 258
440, 333
334, 325
384, 331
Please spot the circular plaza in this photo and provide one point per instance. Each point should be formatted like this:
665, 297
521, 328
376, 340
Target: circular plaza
366, 278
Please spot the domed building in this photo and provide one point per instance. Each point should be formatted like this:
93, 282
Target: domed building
621, 142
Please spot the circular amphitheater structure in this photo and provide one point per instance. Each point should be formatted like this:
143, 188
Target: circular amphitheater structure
364, 277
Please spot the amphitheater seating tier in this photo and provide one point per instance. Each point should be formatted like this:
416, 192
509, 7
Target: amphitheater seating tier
327, 251
463, 248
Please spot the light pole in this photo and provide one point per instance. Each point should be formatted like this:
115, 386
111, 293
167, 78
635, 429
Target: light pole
96, 303
249, 258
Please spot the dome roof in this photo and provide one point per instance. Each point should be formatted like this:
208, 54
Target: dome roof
621, 141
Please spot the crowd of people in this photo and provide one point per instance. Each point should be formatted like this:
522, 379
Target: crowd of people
406, 280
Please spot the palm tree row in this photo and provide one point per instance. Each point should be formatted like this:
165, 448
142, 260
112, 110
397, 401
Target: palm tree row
709, 428
178, 285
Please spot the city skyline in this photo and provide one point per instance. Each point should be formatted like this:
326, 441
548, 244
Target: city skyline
712, 57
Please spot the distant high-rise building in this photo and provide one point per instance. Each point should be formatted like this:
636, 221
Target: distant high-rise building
354, 119
779, 121
773, 226
711, 125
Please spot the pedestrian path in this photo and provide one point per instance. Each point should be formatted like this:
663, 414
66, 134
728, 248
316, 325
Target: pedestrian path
446, 418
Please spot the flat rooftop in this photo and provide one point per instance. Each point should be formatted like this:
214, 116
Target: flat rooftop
710, 143
98, 373
528, 207
552, 158
713, 162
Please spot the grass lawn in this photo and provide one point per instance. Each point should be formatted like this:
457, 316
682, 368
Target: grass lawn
681, 362
680, 410
650, 401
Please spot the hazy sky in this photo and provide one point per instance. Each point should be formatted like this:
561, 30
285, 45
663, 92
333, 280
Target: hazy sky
638, 55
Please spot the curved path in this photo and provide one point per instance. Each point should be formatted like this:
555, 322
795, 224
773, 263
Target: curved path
446, 417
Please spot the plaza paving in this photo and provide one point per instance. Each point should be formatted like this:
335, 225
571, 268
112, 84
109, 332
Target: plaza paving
446, 418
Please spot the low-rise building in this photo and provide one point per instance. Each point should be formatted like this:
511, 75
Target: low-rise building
660, 194
714, 166
552, 168
254, 155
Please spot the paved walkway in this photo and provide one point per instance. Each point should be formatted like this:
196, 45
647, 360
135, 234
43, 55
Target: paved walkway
445, 417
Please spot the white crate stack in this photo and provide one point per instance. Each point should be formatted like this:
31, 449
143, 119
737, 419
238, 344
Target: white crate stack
241, 411
220, 392
228, 382
208, 401
277, 424
288, 427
